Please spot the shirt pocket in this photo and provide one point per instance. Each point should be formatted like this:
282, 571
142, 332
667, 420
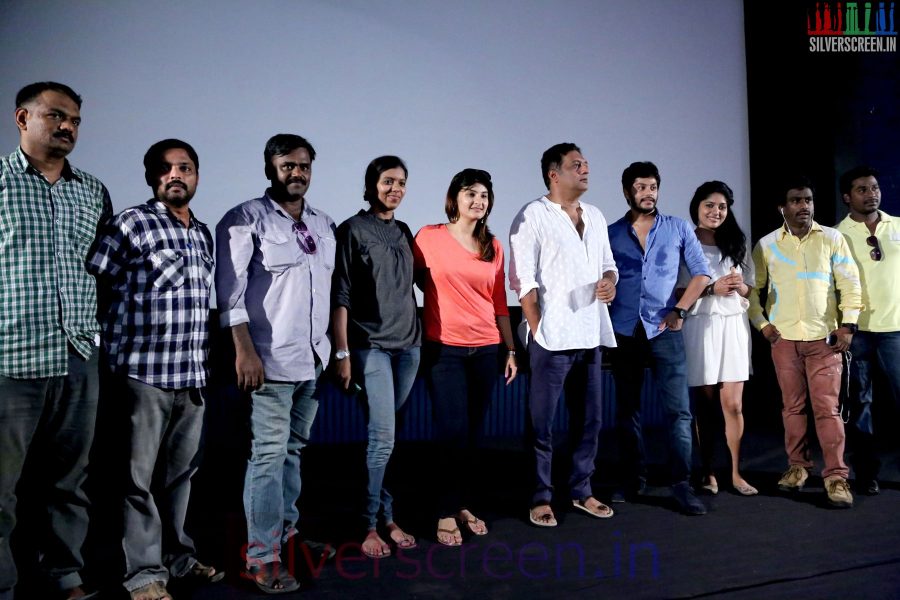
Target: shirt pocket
205, 264
327, 247
279, 251
167, 269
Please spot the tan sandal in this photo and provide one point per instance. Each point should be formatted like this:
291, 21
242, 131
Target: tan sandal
155, 590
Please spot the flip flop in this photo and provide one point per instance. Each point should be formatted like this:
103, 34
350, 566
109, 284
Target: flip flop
267, 576
543, 520
204, 573
406, 541
450, 532
470, 521
383, 550
474, 521
745, 489
600, 511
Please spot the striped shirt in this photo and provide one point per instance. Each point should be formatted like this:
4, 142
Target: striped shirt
154, 276
803, 277
48, 300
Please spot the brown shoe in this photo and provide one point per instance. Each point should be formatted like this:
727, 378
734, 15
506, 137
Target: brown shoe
793, 479
838, 491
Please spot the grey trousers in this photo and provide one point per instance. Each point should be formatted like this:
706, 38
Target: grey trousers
46, 428
163, 433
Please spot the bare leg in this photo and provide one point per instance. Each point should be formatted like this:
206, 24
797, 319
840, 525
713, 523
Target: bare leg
731, 396
705, 424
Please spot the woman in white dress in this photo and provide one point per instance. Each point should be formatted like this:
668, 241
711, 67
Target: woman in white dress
717, 333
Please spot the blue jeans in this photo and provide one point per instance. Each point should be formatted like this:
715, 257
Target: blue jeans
386, 376
667, 362
460, 382
50, 421
579, 372
281, 418
163, 433
866, 348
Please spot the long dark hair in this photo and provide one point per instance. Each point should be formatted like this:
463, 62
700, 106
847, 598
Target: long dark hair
466, 179
730, 239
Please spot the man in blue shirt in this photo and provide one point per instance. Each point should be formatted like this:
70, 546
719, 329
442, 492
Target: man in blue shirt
648, 248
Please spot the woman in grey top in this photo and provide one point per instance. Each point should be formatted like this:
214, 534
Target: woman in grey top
376, 329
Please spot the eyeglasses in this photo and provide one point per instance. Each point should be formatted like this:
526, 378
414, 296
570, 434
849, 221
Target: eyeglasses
304, 240
875, 252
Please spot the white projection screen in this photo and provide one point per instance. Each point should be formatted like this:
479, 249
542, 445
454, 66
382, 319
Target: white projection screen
445, 84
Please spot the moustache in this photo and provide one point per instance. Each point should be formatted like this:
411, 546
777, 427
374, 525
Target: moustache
172, 184
64, 135
300, 180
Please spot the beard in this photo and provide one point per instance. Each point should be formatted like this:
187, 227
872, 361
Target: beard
635, 206
172, 197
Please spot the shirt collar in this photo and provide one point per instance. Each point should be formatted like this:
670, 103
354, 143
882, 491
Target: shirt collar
854, 224
159, 208
784, 232
308, 210
21, 165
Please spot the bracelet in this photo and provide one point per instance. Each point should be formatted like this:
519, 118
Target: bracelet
511, 353
710, 289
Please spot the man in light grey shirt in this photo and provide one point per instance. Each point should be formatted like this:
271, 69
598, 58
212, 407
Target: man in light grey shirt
275, 257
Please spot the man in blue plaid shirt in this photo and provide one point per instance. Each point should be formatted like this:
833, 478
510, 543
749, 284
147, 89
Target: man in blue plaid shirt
49, 212
154, 266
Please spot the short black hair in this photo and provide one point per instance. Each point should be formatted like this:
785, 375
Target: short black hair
553, 157
281, 144
795, 181
153, 159
845, 183
375, 169
637, 170
33, 90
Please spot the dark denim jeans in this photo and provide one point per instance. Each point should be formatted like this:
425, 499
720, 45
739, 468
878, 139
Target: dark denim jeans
579, 372
460, 383
667, 362
867, 348
387, 377
49, 421
163, 433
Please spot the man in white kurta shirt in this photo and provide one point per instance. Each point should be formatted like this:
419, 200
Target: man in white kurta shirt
562, 270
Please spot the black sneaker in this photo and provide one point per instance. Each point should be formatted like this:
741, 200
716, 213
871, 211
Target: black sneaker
621, 494
687, 501
868, 487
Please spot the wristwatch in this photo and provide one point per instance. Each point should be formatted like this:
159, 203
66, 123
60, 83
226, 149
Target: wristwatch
851, 327
682, 313
341, 354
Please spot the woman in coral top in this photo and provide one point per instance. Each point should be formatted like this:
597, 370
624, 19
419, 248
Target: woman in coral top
459, 266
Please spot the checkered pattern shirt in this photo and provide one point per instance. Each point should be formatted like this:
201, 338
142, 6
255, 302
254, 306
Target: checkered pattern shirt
154, 276
47, 299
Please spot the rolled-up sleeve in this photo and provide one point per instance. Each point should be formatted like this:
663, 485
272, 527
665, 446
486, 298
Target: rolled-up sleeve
760, 280
846, 279
694, 259
340, 282
234, 250
524, 254
607, 261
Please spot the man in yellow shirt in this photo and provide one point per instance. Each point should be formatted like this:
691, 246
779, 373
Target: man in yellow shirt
803, 266
874, 240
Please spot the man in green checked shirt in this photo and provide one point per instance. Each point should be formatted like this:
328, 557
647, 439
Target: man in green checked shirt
49, 212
